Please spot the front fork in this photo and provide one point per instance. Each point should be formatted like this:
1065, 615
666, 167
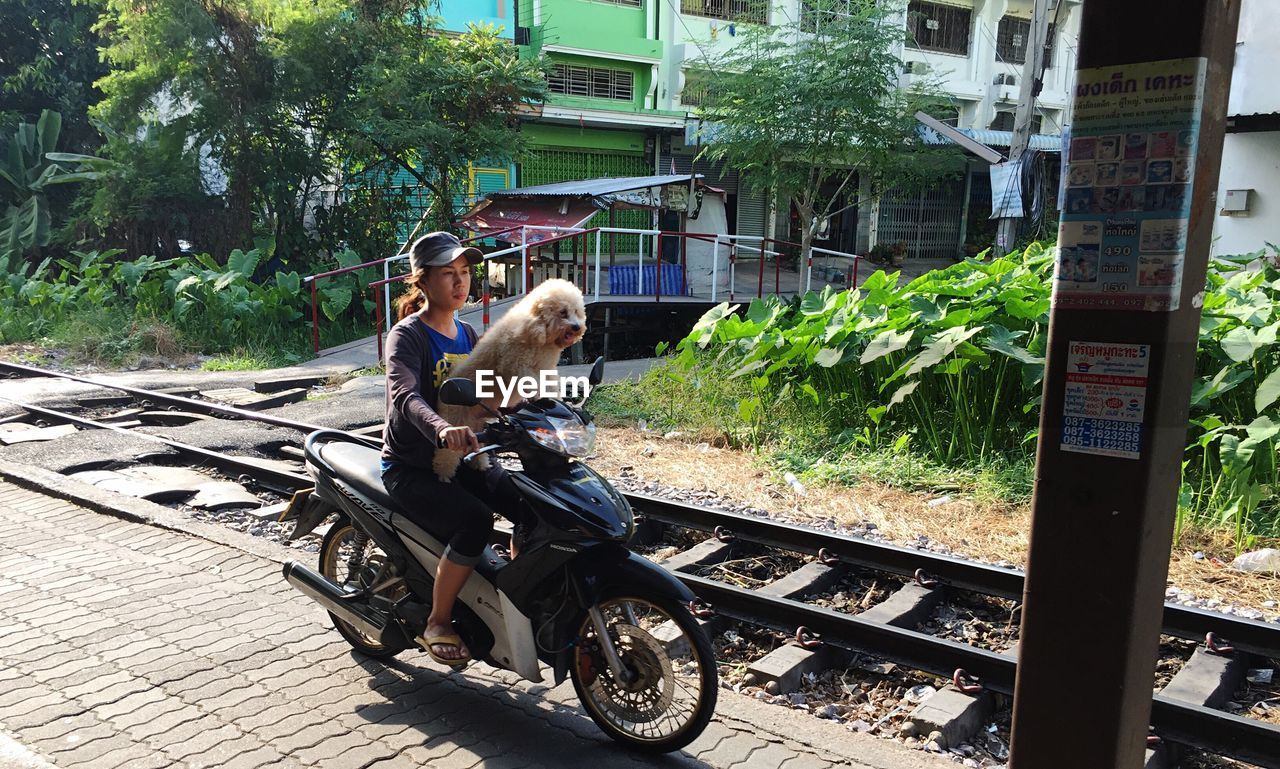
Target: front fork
620, 672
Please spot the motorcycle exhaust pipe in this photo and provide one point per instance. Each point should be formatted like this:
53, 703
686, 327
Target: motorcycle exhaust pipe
333, 597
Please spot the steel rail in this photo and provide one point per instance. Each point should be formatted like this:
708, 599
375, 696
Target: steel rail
189, 404
1253, 636
1261, 638
1211, 730
266, 476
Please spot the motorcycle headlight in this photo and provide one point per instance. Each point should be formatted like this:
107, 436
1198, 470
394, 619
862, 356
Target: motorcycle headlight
569, 437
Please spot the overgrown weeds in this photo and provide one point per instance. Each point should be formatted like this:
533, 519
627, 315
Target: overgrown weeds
103, 309
937, 382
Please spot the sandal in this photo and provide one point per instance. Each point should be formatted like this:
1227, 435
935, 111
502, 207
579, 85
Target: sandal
451, 639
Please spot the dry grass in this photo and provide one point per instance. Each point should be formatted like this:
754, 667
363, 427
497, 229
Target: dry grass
988, 531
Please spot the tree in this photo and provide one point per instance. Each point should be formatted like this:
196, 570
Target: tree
291, 98
49, 60
433, 103
814, 103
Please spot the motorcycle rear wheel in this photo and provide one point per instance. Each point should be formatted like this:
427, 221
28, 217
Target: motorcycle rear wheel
336, 554
673, 696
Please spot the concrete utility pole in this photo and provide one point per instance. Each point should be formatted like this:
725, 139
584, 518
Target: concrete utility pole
1029, 88
1152, 87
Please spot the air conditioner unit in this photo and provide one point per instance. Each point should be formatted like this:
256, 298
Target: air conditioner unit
917, 68
1005, 79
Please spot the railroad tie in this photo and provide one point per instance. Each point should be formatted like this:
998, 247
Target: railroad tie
787, 665
709, 551
1209, 679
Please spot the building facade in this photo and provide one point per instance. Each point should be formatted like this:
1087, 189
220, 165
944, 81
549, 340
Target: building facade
1248, 202
625, 82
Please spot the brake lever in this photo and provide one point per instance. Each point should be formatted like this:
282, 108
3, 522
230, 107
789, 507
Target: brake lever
484, 450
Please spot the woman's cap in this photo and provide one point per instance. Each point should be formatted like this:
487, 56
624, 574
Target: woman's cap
437, 249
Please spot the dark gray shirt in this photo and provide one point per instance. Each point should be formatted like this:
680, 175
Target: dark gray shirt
413, 426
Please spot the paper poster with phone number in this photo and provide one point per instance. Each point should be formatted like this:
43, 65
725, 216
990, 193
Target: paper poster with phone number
1127, 196
1106, 396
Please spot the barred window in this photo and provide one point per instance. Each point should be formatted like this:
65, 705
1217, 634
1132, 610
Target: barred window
752, 11
937, 27
1013, 38
813, 13
596, 82
1004, 122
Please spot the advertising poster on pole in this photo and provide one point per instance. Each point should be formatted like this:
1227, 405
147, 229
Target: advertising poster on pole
1127, 200
1105, 399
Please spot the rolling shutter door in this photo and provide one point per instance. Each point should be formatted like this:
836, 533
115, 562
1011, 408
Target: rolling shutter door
753, 208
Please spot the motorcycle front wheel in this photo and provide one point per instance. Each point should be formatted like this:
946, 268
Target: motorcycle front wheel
671, 687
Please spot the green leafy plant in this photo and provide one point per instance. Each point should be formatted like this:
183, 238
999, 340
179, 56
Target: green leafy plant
949, 367
29, 166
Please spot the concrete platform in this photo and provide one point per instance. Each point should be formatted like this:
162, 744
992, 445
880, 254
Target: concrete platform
132, 643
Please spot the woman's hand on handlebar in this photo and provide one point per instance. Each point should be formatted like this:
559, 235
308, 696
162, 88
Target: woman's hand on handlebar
459, 438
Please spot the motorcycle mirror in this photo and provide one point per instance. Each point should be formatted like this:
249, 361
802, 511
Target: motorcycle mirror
597, 372
458, 392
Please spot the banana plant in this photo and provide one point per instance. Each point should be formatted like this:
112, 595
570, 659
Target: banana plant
30, 165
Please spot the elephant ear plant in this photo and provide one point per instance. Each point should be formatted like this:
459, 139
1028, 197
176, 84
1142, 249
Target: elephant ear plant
949, 368
29, 165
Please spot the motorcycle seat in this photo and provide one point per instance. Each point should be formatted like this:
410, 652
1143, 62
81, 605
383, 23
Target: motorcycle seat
361, 467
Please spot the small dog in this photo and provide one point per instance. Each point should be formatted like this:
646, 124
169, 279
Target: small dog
527, 340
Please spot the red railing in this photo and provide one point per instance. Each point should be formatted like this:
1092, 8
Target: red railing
313, 279
485, 297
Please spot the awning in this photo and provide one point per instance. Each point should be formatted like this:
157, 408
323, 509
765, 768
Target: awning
493, 216
569, 205
1045, 142
594, 187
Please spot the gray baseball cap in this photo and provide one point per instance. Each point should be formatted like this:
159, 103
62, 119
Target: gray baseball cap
436, 249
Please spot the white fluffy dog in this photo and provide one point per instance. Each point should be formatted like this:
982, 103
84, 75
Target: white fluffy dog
527, 340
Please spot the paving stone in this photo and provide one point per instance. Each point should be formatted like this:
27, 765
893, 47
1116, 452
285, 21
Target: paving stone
201, 742
164, 723
129, 703
131, 756
44, 712
87, 746
250, 676
56, 728
280, 722
805, 761
345, 750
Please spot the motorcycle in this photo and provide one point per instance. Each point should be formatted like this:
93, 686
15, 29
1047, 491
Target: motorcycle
574, 599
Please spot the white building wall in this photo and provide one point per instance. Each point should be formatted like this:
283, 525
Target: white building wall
1251, 161
969, 80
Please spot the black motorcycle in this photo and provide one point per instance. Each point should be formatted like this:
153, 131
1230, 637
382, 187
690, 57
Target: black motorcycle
574, 598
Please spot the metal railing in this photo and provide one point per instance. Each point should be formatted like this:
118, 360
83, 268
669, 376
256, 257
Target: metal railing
650, 241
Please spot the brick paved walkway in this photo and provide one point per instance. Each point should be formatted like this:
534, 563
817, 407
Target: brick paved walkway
126, 645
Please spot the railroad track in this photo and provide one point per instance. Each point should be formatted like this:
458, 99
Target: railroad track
1186, 712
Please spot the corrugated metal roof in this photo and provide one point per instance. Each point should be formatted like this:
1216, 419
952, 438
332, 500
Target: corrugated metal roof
1005, 138
593, 187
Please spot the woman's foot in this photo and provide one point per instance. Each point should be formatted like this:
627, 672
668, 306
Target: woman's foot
444, 645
